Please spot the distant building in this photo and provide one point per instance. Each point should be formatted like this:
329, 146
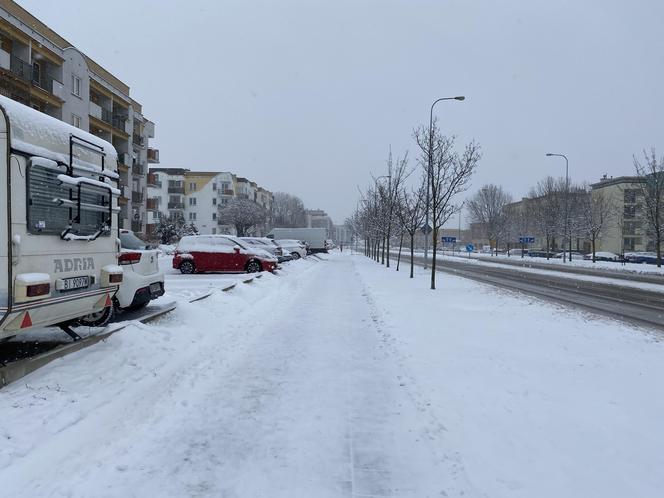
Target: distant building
198, 196
317, 218
628, 230
41, 69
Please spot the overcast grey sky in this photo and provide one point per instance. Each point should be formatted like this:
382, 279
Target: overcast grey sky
307, 96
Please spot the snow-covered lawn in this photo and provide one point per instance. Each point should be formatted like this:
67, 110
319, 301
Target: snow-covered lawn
342, 378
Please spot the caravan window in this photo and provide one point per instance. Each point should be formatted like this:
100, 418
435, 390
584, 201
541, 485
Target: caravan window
46, 215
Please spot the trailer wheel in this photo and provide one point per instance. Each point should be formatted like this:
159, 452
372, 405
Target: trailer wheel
98, 319
187, 267
253, 266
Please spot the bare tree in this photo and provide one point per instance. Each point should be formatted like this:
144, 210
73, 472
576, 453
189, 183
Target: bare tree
488, 207
397, 173
651, 184
411, 216
288, 211
595, 212
243, 214
547, 199
449, 175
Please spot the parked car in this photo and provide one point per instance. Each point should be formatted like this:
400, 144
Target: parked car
314, 237
220, 253
602, 256
538, 253
297, 248
642, 257
143, 280
574, 255
517, 252
268, 245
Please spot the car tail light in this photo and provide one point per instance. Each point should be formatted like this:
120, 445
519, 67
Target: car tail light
38, 290
115, 278
128, 258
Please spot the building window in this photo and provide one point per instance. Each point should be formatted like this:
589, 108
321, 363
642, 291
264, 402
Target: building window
214, 216
630, 196
76, 85
214, 201
36, 72
192, 216
630, 212
214, 186
224, 202
631, 243
76, 120
631, 227
192, 201
192, 186
214, 231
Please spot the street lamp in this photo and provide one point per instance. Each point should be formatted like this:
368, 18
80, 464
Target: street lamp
429, 166
569, 235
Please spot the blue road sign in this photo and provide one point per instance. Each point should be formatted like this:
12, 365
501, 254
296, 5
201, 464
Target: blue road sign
449, 240
526, 240
470, 247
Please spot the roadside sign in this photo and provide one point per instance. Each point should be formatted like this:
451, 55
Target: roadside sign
449, 240
526, 240
426, 229
470, 247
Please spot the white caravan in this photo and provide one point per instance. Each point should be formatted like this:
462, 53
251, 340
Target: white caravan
59, 226
314, 237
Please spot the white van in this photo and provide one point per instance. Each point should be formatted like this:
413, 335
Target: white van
59, 225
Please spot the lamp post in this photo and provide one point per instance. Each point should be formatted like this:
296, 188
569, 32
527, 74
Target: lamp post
567, 234
429, 169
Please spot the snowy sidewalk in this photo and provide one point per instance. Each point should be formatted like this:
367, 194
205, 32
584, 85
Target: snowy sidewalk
344, 379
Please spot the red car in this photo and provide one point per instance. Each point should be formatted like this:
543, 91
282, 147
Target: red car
222, 253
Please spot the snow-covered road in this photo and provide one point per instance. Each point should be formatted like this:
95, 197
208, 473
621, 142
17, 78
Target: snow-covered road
342, 379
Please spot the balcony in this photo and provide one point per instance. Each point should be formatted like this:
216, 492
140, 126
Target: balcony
137, 197
136, 226
106, 116
138, 169
153, 155
118, 121
123, 159
176, 190
138, 140
152, 203
20, 68
243, 196
152, 181
226, 192
176, 205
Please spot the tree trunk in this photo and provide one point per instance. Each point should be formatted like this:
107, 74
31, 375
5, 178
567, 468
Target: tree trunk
412, 251
659, 251
547, 247
399, 256
592, 240
433, 259
388, 248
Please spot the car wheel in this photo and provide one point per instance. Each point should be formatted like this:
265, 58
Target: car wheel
187, 267
295, 255
98, 319
253, 266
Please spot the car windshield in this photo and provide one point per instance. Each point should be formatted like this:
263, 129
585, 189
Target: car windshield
129, 241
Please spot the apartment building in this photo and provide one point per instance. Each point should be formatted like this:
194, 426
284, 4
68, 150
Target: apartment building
198, 196
627, 231
41, 69
317, 218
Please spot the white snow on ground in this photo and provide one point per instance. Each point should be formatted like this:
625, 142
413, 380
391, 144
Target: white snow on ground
343, 378
582, 263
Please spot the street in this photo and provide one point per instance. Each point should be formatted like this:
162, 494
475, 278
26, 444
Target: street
320, 384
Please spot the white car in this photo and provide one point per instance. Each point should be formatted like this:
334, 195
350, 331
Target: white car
295, 247
143, 280
268, 245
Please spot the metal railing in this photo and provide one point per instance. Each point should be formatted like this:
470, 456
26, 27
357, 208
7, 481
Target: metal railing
119, 122
138, 140
152, 203
138, 169
20, 68
106, 116
227, 192
153, 155
137, 197
176, 190
175, 205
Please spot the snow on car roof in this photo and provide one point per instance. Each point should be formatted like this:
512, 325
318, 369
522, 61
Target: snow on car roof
38, 134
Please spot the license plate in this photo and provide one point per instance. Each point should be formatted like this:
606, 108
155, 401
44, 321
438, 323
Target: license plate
74, 283
156, 287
